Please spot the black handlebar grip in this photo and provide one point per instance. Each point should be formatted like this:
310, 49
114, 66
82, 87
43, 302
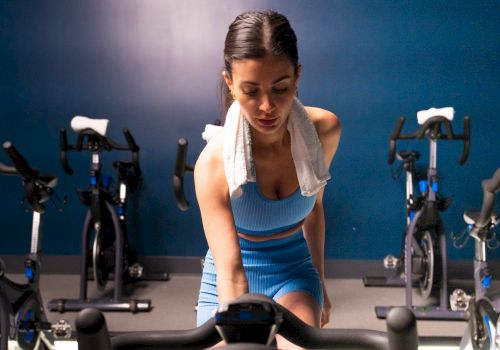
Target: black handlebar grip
394, 136
466, 148
19, 162
130, 140
135, 151
179, 171
91, 330
490, 187
402, 329
63, 144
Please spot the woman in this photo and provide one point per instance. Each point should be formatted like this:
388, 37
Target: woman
254, 243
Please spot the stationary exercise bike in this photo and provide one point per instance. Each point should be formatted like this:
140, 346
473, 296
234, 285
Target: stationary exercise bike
425, 249
22, 315
407, 159
483, 308
105, 249
250, 322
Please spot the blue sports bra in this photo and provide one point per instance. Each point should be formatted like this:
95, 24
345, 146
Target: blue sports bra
257, 215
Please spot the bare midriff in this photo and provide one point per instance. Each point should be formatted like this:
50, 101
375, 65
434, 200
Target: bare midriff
278, 235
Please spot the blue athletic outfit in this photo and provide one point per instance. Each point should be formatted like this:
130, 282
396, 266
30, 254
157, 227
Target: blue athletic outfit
273, 267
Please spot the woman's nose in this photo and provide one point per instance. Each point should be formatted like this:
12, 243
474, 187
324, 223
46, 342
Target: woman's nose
266, 105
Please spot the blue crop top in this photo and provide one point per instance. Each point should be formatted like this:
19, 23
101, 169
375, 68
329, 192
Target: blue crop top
257, 215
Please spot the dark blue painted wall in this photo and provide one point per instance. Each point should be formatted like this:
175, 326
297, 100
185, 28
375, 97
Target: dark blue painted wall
155, 66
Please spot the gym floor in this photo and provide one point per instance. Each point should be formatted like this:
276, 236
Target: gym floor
174, 300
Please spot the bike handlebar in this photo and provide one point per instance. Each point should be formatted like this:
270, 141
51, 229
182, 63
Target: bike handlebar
90, 140
180, 169
37, 187
490, 187
432, 129
20, 163
401, 331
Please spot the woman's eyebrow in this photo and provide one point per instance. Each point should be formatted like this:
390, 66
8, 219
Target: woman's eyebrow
280, 79
248, 82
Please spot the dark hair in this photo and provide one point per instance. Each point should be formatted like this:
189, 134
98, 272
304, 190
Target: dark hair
253, 35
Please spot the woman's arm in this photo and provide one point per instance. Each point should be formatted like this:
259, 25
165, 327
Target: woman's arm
329, 130
218, 223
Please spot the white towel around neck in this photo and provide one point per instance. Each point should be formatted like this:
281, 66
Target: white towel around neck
307, 153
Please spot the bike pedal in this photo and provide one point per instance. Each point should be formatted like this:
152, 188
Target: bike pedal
391, 262
459, 300
61, 330
136, 270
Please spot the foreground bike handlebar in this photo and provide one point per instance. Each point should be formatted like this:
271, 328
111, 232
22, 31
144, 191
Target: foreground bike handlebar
90, 140
241, 323
432, 129
490, 188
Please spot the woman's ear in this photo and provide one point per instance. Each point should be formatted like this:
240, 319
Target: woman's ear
227, 80
298, 73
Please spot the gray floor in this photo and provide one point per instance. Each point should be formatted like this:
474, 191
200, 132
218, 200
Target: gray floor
174, 300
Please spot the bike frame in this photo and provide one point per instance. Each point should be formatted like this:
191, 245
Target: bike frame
21, 305
427, 218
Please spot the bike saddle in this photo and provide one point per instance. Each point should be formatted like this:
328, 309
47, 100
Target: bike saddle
471, 216
408, 156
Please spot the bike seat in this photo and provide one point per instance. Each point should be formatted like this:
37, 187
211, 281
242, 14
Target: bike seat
471, 216
408, 156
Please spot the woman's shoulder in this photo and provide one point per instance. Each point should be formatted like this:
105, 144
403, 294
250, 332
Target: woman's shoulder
210, 162
327, 124
211, 155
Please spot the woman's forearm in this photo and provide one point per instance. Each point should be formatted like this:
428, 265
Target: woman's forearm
314, 233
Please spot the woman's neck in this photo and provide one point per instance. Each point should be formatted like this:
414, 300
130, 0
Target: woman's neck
272, 142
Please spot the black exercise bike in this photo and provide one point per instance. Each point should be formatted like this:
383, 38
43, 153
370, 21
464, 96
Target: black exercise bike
483, 307
424, 256
22, 315
105, 250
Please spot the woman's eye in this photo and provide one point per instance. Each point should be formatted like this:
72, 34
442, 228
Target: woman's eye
250, 92
280, 90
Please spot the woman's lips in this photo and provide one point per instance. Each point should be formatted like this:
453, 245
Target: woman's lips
267, 122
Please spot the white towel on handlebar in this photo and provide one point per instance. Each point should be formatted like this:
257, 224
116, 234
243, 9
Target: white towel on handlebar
447, 112
79, 123
307, 153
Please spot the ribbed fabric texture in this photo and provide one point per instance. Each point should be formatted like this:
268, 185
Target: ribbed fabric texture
273, 268
257, 215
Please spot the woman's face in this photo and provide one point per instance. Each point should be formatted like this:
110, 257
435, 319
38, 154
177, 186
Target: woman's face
265, 89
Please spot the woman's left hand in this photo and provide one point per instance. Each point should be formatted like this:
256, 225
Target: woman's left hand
327, 307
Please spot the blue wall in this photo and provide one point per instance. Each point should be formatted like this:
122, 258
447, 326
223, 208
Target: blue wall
155, 66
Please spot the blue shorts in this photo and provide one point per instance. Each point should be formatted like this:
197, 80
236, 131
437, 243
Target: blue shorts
273, 268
